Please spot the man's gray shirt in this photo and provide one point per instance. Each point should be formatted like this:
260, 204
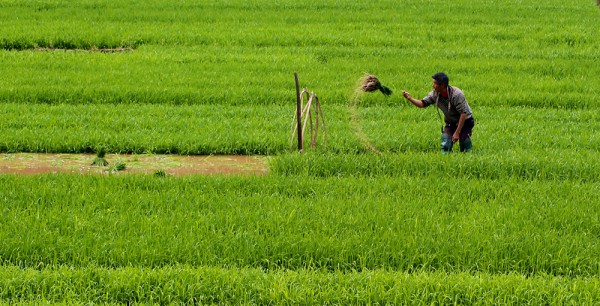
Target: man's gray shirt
452, 107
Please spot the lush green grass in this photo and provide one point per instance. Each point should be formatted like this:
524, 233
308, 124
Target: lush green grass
252, 75
376, 217
555, 135
246, 52
145, 128
407, 223
205, 285
522, 164
416, 238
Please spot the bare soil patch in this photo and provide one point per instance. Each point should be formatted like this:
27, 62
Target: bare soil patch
39, 163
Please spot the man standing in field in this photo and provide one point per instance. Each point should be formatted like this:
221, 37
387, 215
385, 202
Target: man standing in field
458, 117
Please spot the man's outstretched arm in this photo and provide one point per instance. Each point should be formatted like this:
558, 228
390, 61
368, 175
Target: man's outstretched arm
417, 103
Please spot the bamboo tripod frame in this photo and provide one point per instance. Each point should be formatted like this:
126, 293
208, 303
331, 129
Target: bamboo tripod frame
306, 112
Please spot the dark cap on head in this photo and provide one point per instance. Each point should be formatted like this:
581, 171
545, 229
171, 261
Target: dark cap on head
441, 78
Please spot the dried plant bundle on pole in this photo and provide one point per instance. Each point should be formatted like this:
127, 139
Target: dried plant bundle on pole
311, 113
370, 83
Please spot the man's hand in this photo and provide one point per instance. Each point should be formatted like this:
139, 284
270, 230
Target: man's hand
455, 137
417, 103
461, 122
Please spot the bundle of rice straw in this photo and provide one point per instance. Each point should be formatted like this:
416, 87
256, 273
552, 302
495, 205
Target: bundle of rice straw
370, 83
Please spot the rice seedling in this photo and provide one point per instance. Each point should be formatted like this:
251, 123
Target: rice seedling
160, 173
118, 166
99, 160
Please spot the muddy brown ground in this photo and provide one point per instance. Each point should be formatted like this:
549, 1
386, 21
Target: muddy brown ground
39, 163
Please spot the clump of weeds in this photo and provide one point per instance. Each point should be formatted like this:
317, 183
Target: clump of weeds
100, 160
118, 166
160, 173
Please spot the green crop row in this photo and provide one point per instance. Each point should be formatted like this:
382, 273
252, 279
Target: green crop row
404, 224
376, 217
204, 285
246, 76
236, 52
522, 164
262, 23
143, 128
548, 135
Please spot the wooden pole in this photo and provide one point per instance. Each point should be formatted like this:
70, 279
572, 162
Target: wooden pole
298, 112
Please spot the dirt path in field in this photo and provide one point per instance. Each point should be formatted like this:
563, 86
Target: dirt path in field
39, 163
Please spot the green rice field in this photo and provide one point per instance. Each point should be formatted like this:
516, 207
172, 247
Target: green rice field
373, 215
